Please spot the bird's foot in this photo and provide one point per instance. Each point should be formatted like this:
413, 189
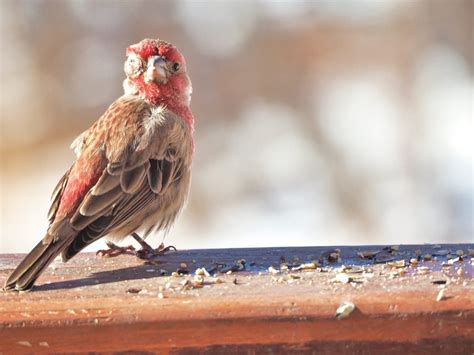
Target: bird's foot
147, 252
115, 250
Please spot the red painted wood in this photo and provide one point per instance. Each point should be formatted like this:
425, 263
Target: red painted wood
89, 304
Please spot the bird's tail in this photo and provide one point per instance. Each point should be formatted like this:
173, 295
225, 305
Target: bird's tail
31, 267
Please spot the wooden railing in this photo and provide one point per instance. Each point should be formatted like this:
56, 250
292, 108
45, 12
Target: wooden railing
272, 300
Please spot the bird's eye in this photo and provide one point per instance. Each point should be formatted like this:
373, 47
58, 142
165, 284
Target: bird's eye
176, 66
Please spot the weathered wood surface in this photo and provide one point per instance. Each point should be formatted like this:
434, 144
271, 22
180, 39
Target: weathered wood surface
90, 304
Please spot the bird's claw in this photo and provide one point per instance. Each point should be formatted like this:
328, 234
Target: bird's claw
147, 252
115, 250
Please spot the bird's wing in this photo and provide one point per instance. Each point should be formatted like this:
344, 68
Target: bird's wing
141, 155
56, 196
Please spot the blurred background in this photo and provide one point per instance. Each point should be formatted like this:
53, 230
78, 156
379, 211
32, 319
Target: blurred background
317, 122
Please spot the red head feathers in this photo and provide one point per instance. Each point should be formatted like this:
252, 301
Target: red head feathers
156, 70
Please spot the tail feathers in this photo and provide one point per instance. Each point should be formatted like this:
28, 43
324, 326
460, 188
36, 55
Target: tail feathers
87, 236
31, 267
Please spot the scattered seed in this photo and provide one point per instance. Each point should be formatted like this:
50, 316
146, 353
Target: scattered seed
392, 275
134, 290
307, 266
182, 271
397, 263
423, 270
24, 343
384, 257
439, 282
440, 296
402, 272
198, 279
186, 285
239, 265
352, 269
367, 254
344, 310
202, 272
44, 344
343, 278
273, 271
333, 257
452, 261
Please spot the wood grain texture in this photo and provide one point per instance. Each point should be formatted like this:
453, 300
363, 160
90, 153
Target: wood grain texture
91, 304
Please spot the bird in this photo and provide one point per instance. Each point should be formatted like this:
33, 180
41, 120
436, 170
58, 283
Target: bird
132, 171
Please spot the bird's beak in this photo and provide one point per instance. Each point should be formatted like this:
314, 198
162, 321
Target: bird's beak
156, 70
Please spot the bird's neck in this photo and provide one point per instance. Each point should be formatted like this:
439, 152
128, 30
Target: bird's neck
161, 96
179, 109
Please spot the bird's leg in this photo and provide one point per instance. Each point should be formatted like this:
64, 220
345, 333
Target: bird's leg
115, 250
147, 252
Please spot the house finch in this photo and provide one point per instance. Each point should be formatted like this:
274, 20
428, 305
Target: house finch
133, 166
